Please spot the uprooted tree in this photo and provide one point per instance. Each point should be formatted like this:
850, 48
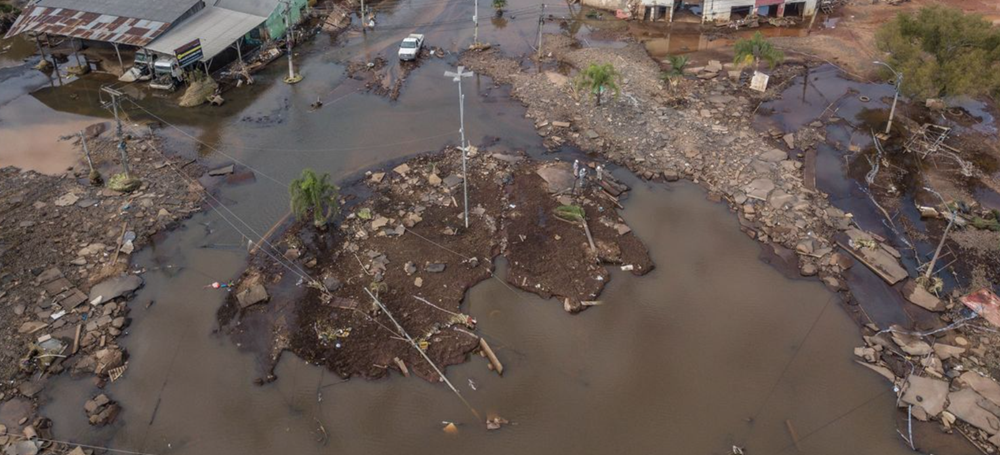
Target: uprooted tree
942, 52
599, 78
311, 193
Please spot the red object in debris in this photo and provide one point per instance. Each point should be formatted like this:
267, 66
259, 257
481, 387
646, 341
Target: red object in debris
985, 303
623, 14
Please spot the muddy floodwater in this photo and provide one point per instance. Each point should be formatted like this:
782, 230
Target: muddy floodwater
713, 349
673, 362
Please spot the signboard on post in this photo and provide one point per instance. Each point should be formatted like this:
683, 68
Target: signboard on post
189, 53
759, 81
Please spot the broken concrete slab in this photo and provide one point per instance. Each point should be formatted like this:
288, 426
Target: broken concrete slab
971, 407
452, 181
112, 288
984, 386
558, 176
759, 189
881, 370
927, 393
865, 248
253, 294
947, 351
66, 199
773, 156
911, 344
917, 295
224, 170
402, 169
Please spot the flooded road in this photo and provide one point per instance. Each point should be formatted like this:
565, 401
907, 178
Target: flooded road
679, 359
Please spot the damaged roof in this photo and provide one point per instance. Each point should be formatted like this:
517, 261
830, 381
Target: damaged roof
117, 21
158, 10
216, 27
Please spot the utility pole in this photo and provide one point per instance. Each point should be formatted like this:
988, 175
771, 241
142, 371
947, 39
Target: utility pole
541, 20
899, 82
457, 77
292, 77
94, 177
475, 18
364, 23
115, 94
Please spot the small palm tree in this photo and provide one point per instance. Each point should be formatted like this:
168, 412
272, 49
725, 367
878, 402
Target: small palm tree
598, 78
677, 64
755, 49
499, 5
311, 192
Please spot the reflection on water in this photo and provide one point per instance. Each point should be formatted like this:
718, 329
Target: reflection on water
680, 358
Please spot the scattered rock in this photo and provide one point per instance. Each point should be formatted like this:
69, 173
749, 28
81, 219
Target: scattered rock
919, 296
66, 199
927, 393
224, 170
436, 267
112, 288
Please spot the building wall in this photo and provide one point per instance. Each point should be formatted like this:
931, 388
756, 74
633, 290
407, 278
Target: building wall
275, 24
718, 10
610, 5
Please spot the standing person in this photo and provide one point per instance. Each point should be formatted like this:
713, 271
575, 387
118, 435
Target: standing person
600, 173
583, 177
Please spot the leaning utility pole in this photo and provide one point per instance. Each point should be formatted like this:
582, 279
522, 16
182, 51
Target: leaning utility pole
457, 77
899, 82
94, 176
292, 77
115, 94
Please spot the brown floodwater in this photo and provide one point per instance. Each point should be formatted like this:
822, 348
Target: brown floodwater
676, 361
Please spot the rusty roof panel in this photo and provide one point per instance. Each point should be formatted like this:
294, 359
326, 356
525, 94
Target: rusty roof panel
88, 26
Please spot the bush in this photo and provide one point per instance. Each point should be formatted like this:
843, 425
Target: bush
942, 52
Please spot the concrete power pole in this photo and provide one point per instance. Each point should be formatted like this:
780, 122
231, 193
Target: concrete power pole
541, 21
457, 77
292, 77
475, 18
115, 101
899, 83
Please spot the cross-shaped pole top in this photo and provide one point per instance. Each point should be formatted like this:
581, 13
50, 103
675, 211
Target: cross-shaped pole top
458, 75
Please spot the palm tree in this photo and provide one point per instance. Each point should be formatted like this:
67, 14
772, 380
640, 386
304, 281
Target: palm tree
755, 49
499, 5
311, 192
598, 78
677, 64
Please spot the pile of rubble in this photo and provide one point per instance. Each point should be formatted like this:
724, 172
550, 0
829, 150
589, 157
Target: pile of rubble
941, 375
65, 247
407, 247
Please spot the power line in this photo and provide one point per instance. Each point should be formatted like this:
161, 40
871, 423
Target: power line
213, 148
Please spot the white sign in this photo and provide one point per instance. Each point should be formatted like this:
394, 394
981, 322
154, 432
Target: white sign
759, 81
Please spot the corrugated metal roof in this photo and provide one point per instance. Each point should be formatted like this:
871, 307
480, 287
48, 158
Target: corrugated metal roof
256, 7
217, 28
154, 10
87, 25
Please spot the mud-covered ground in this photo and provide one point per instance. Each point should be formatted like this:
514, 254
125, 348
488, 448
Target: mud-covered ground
61, 237
404, 240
